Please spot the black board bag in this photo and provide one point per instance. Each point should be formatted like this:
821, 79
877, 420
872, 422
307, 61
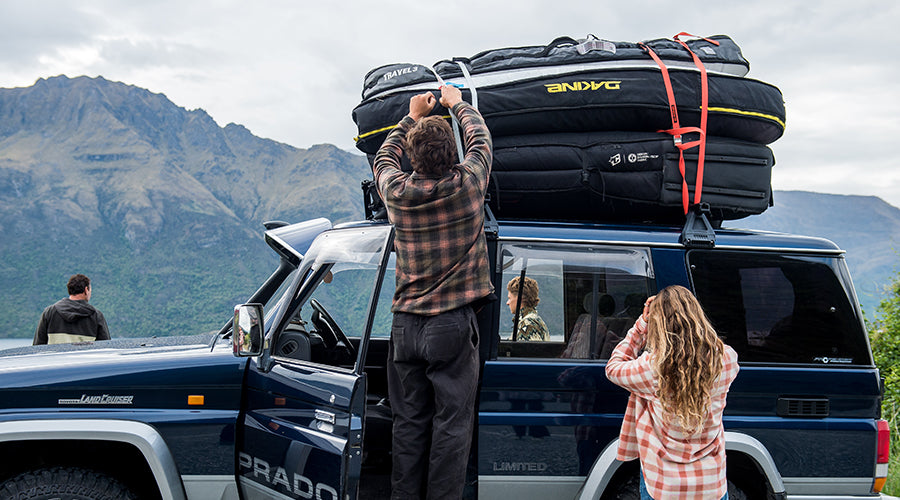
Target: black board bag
625, 177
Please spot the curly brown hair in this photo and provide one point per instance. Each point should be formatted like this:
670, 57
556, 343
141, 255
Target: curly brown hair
687, 355
529, 291
430, 146
77, 284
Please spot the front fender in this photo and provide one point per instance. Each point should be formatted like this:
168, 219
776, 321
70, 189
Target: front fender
142, 436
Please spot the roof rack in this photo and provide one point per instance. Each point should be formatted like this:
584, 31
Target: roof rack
372, 204
698, 232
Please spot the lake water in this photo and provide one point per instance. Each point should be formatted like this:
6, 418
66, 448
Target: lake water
10, 343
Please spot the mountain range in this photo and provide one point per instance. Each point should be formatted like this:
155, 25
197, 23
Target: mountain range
163, 208
866, 227
158, 205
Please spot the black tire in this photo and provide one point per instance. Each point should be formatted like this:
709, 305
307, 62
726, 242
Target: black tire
629, 490
735, 493
64, 483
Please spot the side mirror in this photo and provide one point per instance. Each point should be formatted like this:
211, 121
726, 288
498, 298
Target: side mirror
247, 331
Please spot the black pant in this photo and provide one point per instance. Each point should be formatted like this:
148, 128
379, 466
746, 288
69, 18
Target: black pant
432, 381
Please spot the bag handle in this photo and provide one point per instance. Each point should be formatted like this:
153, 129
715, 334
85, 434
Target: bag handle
558, 42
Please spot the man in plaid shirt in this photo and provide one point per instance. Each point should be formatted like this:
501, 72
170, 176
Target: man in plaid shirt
442, 269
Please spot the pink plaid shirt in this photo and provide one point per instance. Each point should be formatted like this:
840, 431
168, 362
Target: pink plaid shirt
675, 464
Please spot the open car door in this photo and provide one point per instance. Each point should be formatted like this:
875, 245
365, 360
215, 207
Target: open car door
301, 430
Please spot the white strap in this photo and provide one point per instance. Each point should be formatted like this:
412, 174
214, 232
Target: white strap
453, 121
469, 83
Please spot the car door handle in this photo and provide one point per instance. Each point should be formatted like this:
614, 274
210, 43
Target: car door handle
325, 416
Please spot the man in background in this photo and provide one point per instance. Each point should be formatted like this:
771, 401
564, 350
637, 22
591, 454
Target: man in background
530, 324
72, 319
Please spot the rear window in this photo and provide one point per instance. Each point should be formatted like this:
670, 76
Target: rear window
779, 308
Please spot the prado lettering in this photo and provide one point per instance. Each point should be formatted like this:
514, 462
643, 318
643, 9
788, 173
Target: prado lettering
294, 483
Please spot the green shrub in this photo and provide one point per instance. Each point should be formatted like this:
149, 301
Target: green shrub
884, 334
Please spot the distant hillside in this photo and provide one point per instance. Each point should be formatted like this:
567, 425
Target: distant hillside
866, 227
163, 208
160, 206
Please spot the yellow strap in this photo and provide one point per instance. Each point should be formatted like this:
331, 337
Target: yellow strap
384, 129
750, 113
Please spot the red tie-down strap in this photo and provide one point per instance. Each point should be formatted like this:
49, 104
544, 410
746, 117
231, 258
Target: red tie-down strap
677, 130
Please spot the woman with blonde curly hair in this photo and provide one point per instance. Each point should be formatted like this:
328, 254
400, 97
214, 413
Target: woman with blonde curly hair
678, 385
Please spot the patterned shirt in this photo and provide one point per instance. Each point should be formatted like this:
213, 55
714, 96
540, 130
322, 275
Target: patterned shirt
531, 326
442, 261
675, 464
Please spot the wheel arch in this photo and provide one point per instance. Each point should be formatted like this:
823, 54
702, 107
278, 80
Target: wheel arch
142, 437
743, 445
606, 465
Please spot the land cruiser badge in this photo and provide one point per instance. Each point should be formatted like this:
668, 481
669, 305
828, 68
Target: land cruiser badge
104, 399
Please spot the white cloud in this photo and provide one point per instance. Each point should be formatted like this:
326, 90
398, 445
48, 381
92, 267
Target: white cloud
292, 71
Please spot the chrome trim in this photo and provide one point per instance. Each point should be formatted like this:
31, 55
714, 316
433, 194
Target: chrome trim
528, 487
140, 435
529, 239
822, 251
325, 416
872, 496
252, 490
209, 487
828, 487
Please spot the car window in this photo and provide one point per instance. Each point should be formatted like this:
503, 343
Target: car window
345, 296
780, 308
588, 298
328, 306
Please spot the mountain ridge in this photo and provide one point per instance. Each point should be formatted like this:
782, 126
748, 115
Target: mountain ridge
867, 228
163, 208
122, 184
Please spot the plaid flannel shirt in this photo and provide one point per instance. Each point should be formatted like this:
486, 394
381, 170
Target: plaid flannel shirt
675, 464
531, 326
442, 261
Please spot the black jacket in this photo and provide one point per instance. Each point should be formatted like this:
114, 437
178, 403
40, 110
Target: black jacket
71, 321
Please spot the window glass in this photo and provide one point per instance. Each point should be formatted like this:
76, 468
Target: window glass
777, 308
587, 298
347, 296
279, 299
329, 308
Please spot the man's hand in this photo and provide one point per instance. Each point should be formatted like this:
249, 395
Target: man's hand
450, 96
421, 105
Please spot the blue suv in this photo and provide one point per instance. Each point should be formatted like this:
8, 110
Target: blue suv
289, 399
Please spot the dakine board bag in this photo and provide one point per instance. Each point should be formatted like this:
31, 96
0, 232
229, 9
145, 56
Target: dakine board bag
622, 94
563, 55
607, 100
624, 176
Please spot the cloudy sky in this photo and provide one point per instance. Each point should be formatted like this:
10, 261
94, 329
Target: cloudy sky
292, 70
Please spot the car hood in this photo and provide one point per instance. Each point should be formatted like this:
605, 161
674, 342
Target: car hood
153, 372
